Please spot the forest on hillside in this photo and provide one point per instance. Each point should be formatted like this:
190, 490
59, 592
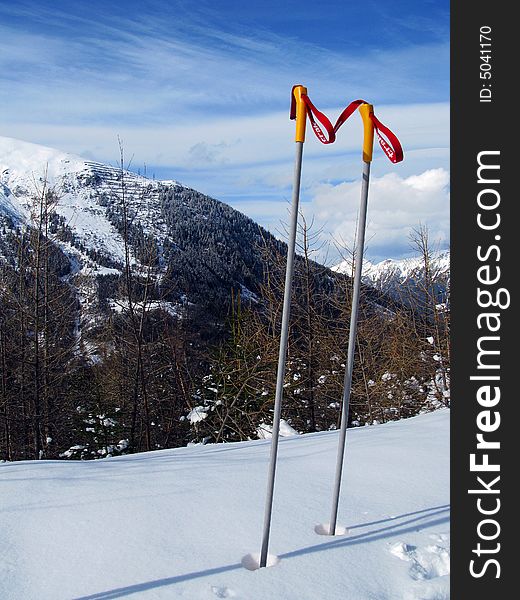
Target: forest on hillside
180, 354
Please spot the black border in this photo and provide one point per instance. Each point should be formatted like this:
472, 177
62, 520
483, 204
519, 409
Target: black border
477, 126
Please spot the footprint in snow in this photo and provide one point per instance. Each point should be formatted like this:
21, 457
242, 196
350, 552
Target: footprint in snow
427, 562
440, 537
222, 592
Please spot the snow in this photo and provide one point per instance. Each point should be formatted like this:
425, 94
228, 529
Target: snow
70, 452
26, 169
251, 561
22, 161
399, 269
9, 206
265, 432
324, 529
187, 523
119, 306
197, 414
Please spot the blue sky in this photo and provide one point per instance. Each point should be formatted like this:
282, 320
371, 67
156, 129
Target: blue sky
199, 92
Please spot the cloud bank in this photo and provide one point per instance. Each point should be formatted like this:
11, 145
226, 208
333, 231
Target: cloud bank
397, 206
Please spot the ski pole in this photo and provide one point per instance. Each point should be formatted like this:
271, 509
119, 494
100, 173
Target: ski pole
366, 111
300, 116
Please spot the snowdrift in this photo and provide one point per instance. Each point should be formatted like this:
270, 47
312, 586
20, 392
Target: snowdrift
182, 523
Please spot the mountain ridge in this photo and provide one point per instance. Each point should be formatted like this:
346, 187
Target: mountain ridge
93, 199
405, 278
126, 303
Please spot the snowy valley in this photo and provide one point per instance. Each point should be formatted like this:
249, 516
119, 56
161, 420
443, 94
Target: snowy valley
139, 323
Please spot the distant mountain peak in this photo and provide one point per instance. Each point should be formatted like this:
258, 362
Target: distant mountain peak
392, 275
19, 159
194, 244
401, 267
83, 189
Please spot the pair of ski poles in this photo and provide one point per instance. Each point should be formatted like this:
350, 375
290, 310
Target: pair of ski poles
301, 108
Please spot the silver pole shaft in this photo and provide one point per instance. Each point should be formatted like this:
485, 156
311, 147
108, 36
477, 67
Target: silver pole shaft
358, 266
283, 350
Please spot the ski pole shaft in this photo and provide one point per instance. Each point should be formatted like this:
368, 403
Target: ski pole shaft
291, 246
368, 141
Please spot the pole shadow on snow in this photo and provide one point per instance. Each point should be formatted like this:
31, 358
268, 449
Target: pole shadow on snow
433, 510
421, 519
150, 585
408, 526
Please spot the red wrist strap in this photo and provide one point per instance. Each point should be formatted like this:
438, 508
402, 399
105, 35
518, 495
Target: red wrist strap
351, 108
391, 145
387, 139
314, 116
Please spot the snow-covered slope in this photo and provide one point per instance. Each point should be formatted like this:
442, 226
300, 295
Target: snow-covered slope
377, 274
178, 523
82, 187
9, 206
392, 276
196, 247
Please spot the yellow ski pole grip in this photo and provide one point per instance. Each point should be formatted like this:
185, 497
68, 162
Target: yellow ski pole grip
301, 112
368, 131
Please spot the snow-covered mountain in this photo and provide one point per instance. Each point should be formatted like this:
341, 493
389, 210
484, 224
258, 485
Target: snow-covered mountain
85, 190
120, 305
188, 249
186, 523
404, 277
94, 207
208, 246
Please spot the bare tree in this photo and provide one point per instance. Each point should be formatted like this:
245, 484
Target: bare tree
436, 310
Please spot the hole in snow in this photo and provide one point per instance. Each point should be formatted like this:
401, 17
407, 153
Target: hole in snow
251, 562
324, 529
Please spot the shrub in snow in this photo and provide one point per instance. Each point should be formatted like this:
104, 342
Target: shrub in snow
265, 432
99, 435
197, 414
77, 451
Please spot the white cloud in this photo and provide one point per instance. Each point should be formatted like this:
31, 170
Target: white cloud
209, 107
154, 69
396, 206
257, 139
